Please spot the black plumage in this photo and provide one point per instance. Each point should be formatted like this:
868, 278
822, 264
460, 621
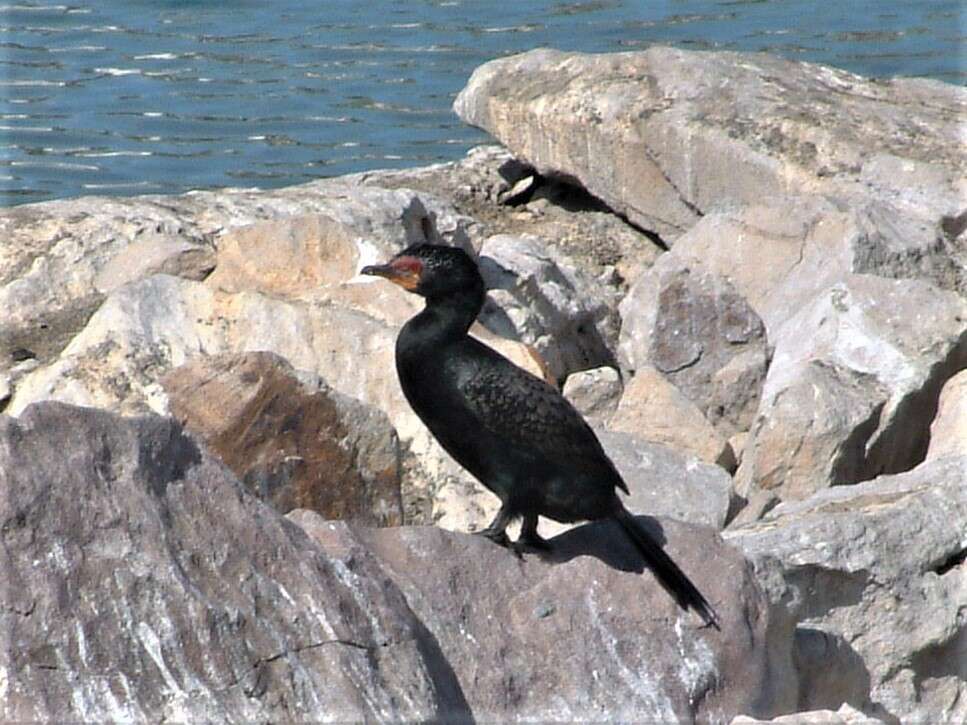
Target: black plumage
513, 431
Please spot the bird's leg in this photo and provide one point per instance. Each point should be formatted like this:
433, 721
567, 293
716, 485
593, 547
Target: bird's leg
529, 538
496, 532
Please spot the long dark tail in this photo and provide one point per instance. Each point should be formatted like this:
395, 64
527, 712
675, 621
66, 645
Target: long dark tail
666, 570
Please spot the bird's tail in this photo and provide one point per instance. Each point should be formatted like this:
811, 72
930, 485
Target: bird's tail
666, 570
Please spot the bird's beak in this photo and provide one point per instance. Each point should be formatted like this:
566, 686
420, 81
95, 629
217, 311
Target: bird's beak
397, 271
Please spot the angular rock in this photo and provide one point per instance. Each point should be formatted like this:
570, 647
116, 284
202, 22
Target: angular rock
290, 438
666, 482
853, 386
803, 244
583, 635
694, 327
594, 392
547, 305
59, 259
142, 582
65, 256
948, 432
575, 226
145, 329
875, 575
654, 409
684, 131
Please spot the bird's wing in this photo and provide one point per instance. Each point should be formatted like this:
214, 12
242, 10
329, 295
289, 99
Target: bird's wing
529, 413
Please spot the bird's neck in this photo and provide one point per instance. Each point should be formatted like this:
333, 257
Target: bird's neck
446, 318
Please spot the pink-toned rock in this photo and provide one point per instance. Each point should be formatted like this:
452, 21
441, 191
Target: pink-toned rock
653, 408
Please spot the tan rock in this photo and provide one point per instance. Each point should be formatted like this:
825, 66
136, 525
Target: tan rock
286, 257
948, 432
653, 408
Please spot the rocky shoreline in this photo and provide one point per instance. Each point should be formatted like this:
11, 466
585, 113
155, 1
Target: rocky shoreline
750, 274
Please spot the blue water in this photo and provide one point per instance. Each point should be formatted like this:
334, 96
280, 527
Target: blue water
139, 96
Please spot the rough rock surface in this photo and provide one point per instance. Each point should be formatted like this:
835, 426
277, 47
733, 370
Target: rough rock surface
845, 715
583, 635
143, 583
853, 386
793, 247
653, 408
292, 440
684, 131
694, 328
948, 432
875, 575
548, 305
668, 482
594, 392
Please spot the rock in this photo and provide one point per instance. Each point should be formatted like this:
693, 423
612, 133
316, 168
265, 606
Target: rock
845, 715
290, 438
144, 583
286, 257
875, 575
594, 392
694, 327
948, 432
65, 256
145, 329
804, 244
654, 409
576, 227
853, 386
583, 635
684, 131
547, 305
59, 259
665, 482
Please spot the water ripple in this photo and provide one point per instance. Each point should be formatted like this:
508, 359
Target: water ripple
122, 98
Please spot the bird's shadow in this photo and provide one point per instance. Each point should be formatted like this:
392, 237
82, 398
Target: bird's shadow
605, 541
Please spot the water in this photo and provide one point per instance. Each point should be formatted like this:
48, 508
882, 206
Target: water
139, 96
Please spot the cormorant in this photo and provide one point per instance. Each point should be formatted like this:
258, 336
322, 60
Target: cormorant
514, 432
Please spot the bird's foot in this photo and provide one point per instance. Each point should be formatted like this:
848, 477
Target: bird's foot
497, 536
532, 542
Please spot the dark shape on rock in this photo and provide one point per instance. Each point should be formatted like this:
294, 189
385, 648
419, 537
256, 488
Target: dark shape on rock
515, 433
294, 441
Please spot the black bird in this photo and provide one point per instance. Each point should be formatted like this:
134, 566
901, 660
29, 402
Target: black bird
514, 432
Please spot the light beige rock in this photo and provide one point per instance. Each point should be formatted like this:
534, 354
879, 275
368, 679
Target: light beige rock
652, 408
684, 131
286, 257
852, 386
791, 248
594, 392
875, 575
845, 715
948, 432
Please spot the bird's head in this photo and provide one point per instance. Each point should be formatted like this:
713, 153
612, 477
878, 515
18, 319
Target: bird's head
431, 271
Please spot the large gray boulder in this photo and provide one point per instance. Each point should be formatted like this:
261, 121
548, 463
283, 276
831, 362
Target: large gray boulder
664, 135
142, 582
583, 634
875, 575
